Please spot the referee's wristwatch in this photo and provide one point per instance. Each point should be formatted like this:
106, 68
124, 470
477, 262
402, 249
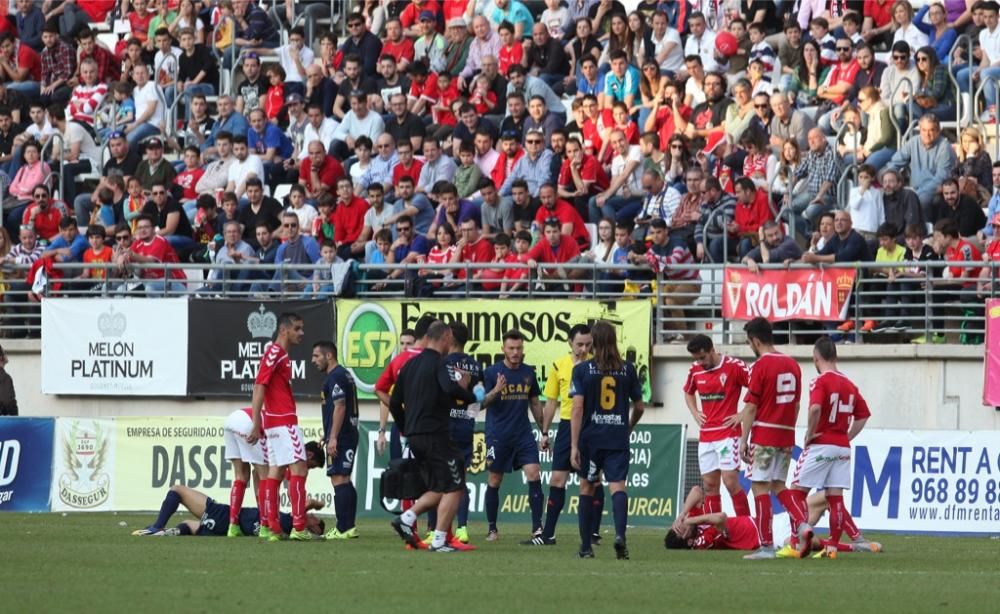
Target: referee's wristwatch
381, 431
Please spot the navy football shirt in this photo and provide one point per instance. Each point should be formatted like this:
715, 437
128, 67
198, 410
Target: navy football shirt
507, 415
339, 385
462, 425
606, 397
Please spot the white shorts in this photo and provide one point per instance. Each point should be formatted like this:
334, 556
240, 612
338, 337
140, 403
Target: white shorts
234, 435
823, 466
723, 454
768, 463
285, 445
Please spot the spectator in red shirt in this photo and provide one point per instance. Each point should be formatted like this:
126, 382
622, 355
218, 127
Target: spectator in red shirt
555, 248
957, 280
992, 255
188, 179
753, 208
318, 172
348, 218
510, 153
408, 165
151, 248
108, 68
396, 45
838, 83
581, 175
42, 214
409, 18
569, 218
20, 66
473, 247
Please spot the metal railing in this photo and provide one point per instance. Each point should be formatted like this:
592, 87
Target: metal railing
916, 299
983, 80
963, 40
892, 110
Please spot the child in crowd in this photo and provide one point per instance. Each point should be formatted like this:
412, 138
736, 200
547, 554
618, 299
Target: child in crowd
909, 279
759, 49
188, 178
121, 92
483, 98
134, 202
511, 50
514, 277
322, 279
304, 211
379, 256
492, 278
363, 152
865, 204
104, 212
322, 226
468, 174
888, 252
230, 208
97, 253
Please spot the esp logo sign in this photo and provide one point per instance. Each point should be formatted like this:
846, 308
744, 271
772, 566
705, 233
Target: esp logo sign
10, 455
367, 344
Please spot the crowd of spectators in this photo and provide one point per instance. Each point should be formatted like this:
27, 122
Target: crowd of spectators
496, 131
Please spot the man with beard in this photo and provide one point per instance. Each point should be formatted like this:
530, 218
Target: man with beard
901, 204
775, 247
710, 115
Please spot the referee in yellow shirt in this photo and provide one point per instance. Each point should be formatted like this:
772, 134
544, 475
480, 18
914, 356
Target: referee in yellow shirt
557, 395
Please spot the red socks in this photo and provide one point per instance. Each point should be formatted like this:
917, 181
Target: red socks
740, 503
236, 493
849, 527
765, 518
795, 502
269, 515
837, 513
713, 504
297, 496
840, 547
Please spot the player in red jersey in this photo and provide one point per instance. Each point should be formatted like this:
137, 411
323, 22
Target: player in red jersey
769, 414
695, 528
818, 506
284, 443
717, 380
837, 413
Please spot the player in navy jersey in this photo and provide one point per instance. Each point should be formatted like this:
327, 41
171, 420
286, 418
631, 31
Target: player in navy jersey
214, 518
462, 423
513, 392
600, 426
340, 436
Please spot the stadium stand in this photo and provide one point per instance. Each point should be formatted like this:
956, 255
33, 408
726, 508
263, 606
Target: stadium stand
177, 133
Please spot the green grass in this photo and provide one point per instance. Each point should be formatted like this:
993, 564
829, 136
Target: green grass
89, 563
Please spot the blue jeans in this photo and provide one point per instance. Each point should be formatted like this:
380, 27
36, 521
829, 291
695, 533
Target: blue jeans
180, 242
964, 78
157, 287
876, 160
806, 213
141, 132
721, 247
30, 89
205, 89
617, 208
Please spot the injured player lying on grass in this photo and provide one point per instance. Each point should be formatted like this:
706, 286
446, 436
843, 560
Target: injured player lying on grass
695, 530
214, 517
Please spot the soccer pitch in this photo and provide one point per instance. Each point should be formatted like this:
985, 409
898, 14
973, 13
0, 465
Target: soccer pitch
90, 563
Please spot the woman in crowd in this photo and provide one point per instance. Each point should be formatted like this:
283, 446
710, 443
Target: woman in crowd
618, 39
807, 79
940, 34
783, 183
678, 159
880, 136
975, 168
651, 86
760, 165
903, 27
31, 173
934, 92
640, 39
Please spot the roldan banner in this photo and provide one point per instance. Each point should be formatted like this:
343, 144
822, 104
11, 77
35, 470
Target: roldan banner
83, 465
226, 340
151, 454
120, 346
25, 464
927, 481
991, 367
368, 332
794, 294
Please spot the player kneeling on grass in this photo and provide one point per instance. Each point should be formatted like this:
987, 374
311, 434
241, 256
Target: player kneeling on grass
837, 413
695, 528
599, 431
214, 518
340, 436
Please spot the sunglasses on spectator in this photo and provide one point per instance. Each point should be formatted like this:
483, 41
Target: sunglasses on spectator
292, 225
899, 57
923, 58
121, 237
159, 192
844, 49
761, 106
534, 141
356, 24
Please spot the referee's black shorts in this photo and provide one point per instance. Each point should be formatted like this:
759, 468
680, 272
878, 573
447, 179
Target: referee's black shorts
442, 464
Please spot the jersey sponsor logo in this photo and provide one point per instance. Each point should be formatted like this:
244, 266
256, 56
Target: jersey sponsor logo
368, 344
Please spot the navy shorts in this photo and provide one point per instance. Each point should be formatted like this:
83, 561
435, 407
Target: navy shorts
215, 520
465, 448
562, 448
614, 464
506, 455
343, 464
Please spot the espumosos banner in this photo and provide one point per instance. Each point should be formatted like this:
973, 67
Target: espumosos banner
368, 332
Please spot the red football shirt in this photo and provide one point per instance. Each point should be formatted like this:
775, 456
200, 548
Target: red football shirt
590, 170
387, 380
775, 388
963, 252
160, 250
398, 51
566, 214
740, 534
331, 172
413, 172
840, 402
46, 222
719, 391
188, 180
275, 374
349, 220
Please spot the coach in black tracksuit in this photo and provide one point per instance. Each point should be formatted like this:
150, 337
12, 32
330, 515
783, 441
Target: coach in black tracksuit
426, 388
